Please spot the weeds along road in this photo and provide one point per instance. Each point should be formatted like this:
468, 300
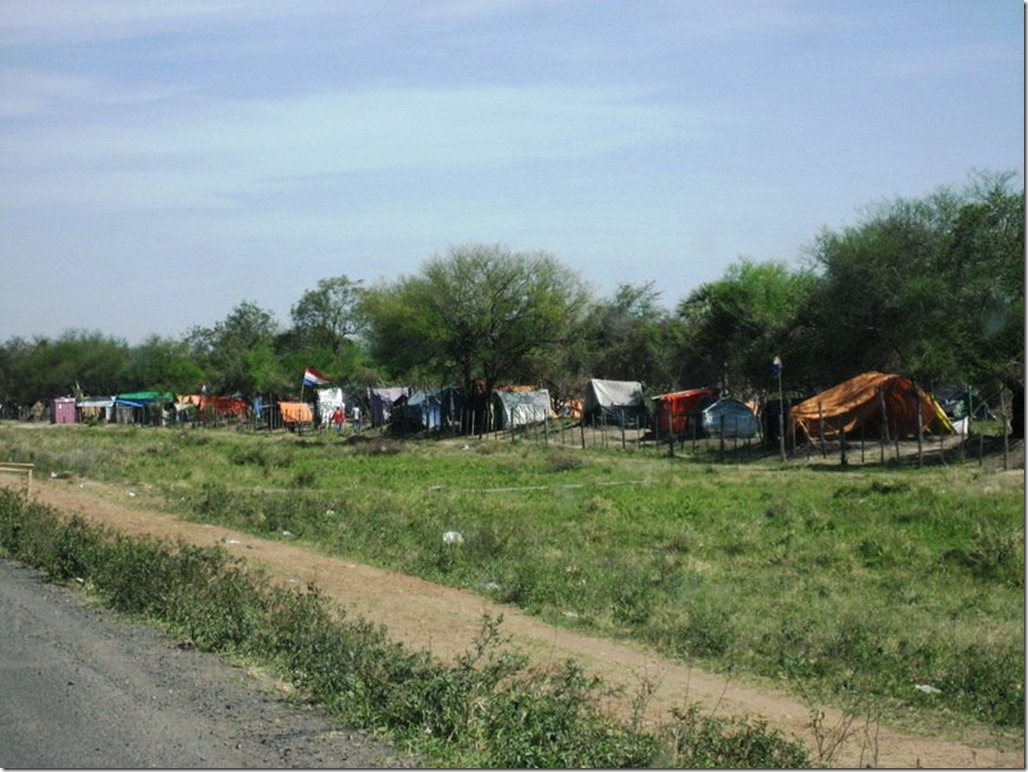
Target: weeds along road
445, 621
83, 689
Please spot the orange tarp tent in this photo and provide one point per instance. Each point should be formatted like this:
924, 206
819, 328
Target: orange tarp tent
296, 412
857, 405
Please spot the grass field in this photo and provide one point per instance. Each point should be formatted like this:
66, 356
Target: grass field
858, 585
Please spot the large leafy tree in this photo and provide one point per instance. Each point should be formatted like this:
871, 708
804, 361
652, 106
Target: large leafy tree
931, 287
629, 336
237, 353
478, 313
735, 326
78, 359
327, 323
329, 315
985, 271
163, 364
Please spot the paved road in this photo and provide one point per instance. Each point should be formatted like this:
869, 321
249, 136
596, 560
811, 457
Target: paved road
81, 688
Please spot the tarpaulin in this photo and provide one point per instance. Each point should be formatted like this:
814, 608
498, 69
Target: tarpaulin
875, 404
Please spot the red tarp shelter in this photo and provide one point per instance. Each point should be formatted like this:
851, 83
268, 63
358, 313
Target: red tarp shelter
674, 409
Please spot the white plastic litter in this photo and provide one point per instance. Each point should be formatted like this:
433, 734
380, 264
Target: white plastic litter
452, 537
927, 689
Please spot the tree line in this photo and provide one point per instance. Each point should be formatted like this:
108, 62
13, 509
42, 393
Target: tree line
931, 287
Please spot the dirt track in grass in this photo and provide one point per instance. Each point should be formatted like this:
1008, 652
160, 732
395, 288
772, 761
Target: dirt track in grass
445, 621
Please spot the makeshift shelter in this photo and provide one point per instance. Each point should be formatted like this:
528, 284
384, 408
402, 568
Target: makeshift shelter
63, 410
142, 407
521, 408
296, 413
731, 419
96, 409
185, 412
381, 400
570, 408
328, 400
430, 409
873, 404
678, 412
959, 401
223, 407
615, 402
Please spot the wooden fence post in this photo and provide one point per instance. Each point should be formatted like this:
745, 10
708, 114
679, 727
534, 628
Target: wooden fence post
842, 441
821, 430
1003, 428
883, 433
920, 428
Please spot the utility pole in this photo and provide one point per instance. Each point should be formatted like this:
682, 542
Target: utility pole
776, 368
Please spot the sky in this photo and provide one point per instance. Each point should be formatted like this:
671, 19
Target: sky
163, 162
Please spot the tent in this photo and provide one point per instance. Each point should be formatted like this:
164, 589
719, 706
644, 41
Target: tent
521, 408
98, 408
328, 400
224, 407
615, 402
731, 419
382, 399
679, 411
860, 404
146, 407
185, 412
430, 409
958, 401
296, 413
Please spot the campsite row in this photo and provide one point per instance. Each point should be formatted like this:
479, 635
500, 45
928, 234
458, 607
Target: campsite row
871, 404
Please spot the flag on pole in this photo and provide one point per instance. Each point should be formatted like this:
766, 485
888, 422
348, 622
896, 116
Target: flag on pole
776, 367
312, 377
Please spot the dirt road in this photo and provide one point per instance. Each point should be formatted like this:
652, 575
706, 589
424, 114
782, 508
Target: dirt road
445, 621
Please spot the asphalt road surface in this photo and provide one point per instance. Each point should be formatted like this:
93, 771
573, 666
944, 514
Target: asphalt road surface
81, 688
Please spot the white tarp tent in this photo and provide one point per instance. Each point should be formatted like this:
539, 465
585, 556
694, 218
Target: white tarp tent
615, 402
328, 400
521, 408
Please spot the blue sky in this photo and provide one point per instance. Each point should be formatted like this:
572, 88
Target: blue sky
162, 162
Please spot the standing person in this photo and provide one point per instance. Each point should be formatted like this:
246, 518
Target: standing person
356, 419
337, 419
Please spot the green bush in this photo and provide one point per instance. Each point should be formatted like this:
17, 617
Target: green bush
710, 742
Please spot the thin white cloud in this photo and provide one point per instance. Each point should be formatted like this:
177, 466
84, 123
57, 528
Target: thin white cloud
945, 59
29, 93
225, 146
52, 22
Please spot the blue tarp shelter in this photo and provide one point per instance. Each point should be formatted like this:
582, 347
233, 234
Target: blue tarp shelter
731, 419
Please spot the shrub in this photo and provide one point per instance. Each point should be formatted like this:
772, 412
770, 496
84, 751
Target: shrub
564, 462
710, 742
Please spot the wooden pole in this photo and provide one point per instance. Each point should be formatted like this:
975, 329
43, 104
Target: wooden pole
842, 441
883, 433
781, 417
821, 430
1003, 428
721, 432
920, 428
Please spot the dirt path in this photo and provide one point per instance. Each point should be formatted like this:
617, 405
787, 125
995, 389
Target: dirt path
445, 621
